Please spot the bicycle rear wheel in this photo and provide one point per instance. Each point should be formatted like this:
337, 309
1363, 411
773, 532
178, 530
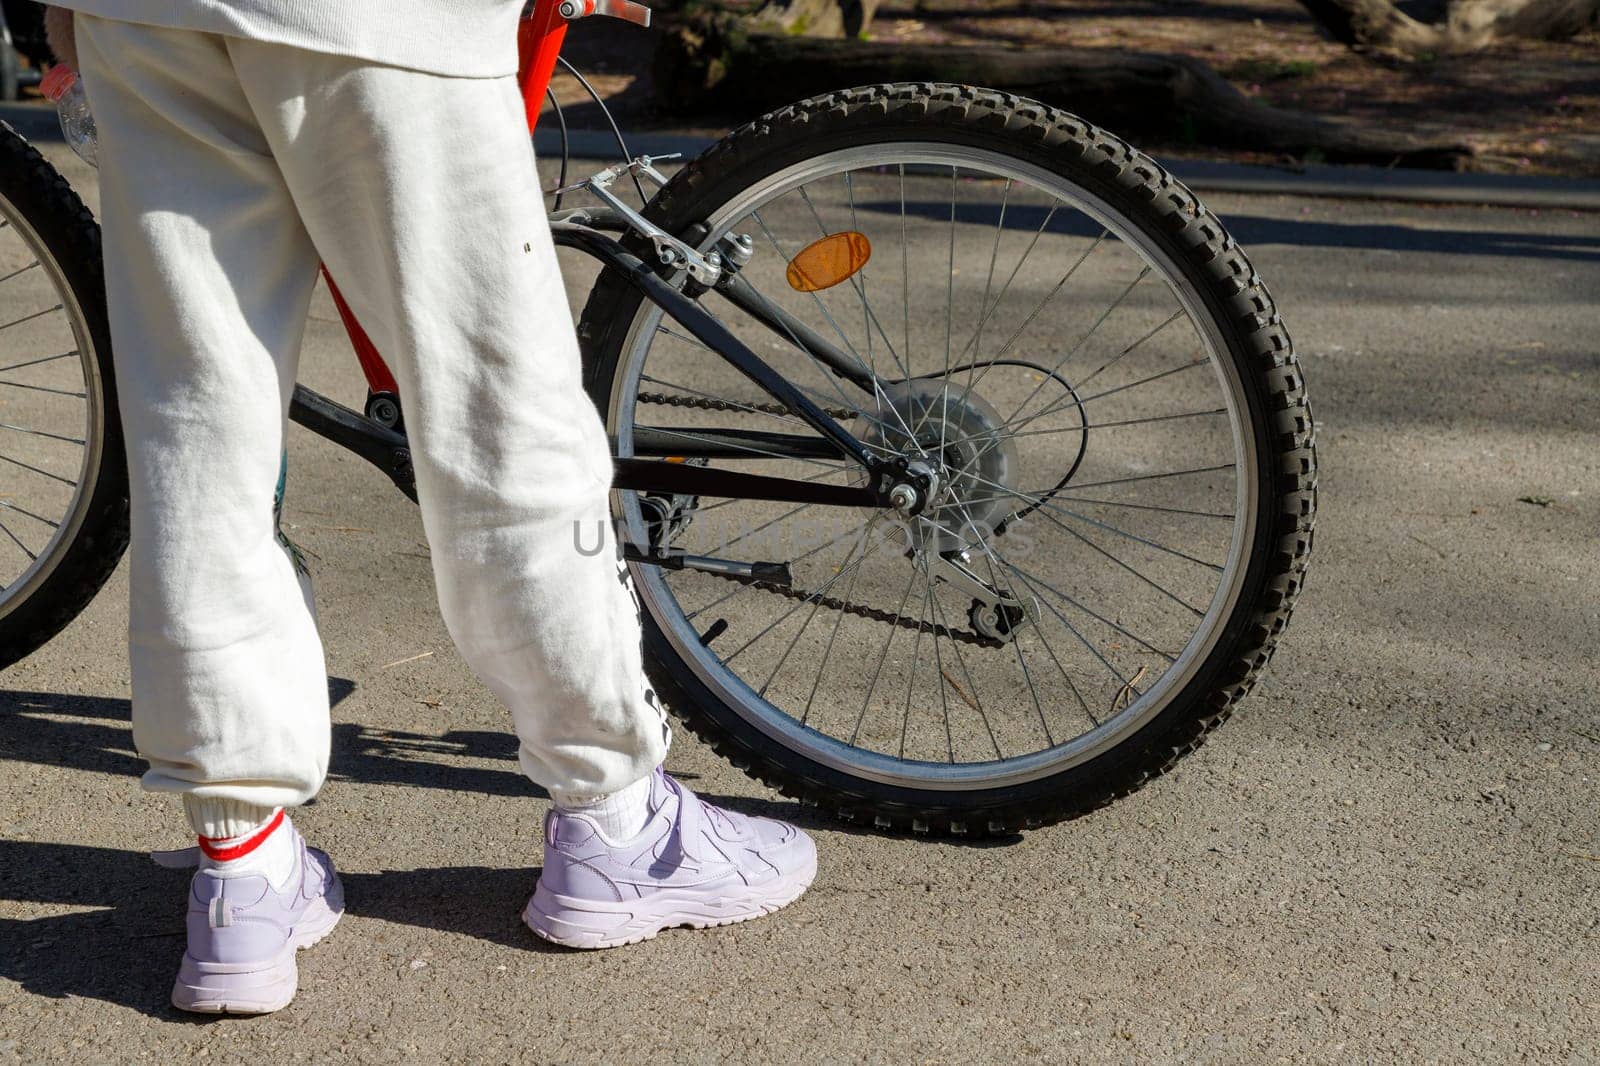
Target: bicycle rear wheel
63, 472
1076, 346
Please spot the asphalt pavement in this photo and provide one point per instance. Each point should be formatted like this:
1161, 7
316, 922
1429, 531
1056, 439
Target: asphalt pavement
1390, 854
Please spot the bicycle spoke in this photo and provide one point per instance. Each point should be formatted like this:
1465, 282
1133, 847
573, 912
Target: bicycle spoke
18, 542
1046, 506
1076, 347
990, 556
877, 670
28, 318
826, 372
994, 554
1050, 650
977, 701
21, 270
949, 314
805, 714
42, 433
1154, 477
1149, 419
43, 388
36, 362
1005, 349
1135, 346
1144, 381
1173, 596
1037, 311
1072, 401
1081, 638
36, 470
1228, 516
815, 607
1027, 675
694, 342
24, 511
866, 313
911, 674
1042, 583
973, 380
905, 263
983, 318
988, 283
870, 317
994, 437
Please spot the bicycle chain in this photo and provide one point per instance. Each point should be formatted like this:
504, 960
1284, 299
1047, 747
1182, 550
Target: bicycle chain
873, 614
709, 404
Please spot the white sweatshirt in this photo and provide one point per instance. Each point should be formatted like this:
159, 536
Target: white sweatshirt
461, 38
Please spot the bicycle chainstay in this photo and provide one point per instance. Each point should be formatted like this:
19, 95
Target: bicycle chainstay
873, 614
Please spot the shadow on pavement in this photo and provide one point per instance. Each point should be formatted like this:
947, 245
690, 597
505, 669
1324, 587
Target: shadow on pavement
32, 730
120, 950
397, 757
478, 901
1256, 230
124, 952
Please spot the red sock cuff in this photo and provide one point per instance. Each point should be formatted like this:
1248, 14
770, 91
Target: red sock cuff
223, 849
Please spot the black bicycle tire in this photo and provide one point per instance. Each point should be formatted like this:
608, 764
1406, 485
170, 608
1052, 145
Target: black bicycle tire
1168, 213
72, 236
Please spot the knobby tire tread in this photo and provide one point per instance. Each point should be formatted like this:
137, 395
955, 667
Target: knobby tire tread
1160, 205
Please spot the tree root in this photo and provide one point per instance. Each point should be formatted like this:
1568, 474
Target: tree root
720, 66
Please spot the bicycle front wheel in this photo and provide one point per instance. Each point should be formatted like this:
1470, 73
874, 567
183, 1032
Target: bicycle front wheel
1075, 346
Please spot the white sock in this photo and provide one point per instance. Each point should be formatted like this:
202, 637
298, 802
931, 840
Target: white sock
268, 850
619, 816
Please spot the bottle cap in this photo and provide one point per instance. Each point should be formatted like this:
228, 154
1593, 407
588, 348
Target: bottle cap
58, 82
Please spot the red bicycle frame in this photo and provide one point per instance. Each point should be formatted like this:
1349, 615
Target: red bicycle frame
539, 40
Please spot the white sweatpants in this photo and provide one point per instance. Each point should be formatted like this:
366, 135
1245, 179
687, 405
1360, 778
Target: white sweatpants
229, 168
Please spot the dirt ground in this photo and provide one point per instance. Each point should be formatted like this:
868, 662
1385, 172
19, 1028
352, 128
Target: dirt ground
1530, 106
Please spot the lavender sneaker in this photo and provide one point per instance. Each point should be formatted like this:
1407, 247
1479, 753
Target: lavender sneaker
694, 864
243, 933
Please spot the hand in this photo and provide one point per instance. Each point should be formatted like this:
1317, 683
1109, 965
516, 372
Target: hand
58, 30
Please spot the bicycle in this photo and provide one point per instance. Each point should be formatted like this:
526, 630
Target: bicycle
971, 564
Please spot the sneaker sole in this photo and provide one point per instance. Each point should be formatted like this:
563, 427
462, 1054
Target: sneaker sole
233, 988
589, 925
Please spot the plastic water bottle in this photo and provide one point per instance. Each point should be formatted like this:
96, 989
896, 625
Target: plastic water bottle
62, 87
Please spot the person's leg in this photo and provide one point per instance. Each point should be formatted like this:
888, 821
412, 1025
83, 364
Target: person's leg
421, 195
208, 279
208, 282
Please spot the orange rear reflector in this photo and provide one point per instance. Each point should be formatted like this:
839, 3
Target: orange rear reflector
830, 261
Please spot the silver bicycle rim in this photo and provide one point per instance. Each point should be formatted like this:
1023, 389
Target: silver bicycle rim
858, 762
36, 523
